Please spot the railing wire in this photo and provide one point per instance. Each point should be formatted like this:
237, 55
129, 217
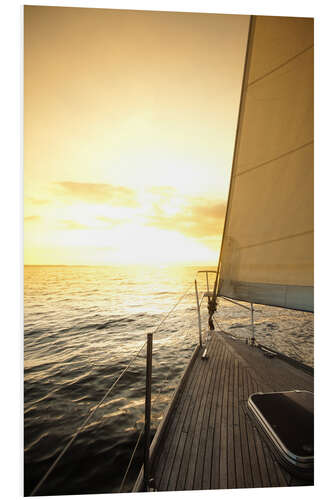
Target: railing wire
92, 411
158, 396
83, 425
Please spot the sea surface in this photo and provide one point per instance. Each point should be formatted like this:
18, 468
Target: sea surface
82, 328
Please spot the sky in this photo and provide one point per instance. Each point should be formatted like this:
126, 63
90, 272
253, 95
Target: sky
129, 128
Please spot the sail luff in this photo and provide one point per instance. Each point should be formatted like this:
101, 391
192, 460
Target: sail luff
267, 250
244, 83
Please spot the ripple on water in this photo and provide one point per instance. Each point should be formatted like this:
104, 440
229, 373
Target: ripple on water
82, 327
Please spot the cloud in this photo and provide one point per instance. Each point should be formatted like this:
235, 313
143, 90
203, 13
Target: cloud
90, 192
32, 218
198, 220
36, 201
210, 210
72, 224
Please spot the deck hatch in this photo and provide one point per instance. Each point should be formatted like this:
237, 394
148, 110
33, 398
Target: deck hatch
287, 419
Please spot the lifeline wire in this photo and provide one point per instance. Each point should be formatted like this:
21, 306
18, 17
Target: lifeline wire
214, 319
158, 396
84, 424
172, 309
130, 462
157, 399
48, 472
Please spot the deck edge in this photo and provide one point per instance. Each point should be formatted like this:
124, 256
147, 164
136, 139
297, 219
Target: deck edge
160, 429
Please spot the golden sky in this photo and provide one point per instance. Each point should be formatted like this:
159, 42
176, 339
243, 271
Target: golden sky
129, 125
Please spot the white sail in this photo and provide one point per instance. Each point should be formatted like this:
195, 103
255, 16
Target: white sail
267, 249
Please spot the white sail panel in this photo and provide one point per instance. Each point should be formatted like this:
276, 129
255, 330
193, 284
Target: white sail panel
267, 248
277, 40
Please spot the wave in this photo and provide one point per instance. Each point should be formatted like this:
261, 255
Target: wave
82, 327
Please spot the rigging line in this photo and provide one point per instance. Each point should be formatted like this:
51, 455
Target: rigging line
48, 472
214, 319
130, 462
228, 333
154, 402
186, 327
188, 331
83, 425
158, 395
172, 309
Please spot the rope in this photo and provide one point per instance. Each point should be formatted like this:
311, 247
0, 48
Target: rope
130, 462
154, 402
188, 333
158, 396
291, 344
172, 309
83, 425
217, 323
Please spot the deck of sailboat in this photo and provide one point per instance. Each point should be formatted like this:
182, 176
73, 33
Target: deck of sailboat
209, 440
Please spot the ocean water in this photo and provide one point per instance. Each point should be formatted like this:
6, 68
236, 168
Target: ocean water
82, 327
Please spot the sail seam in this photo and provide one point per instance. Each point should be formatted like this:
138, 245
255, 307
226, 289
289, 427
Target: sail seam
276, 239
280, 66
274, 159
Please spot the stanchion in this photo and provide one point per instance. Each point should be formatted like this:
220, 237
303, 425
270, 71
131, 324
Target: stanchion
146, 470
252, 323
198, 308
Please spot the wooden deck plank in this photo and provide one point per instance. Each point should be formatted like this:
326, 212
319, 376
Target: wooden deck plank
248, 480
272, 468
175, 430
278, 476
238, 445
265, 478
215, 467
179, 458
230, 429
203, 463
255, 466
224, 428
194, 432
211, 441
210, 466
178, 481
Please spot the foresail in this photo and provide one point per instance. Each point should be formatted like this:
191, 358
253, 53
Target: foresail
267, 249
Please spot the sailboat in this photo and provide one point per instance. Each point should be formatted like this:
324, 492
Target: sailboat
242, 415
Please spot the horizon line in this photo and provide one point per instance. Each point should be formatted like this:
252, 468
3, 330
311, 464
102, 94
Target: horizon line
118, 265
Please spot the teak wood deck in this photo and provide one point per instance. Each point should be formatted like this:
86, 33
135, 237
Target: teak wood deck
208, 439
